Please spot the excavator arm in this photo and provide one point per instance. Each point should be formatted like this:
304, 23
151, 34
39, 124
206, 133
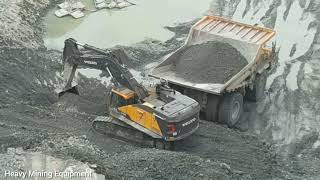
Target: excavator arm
95, 58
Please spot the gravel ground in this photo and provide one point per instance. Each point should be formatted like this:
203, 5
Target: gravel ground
21, 26
225, 62
67, 133
28, 76
31, 116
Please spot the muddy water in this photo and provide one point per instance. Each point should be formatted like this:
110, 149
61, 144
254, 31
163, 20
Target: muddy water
106, 28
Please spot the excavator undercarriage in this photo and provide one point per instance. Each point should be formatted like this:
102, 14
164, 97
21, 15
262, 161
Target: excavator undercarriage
121, 131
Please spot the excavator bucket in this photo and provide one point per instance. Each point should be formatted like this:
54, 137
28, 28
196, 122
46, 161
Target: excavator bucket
69, 69
69, 82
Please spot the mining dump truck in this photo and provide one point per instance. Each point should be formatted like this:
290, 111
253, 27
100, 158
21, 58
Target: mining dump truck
221, 63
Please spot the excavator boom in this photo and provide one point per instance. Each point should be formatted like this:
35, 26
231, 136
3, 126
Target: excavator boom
95, 58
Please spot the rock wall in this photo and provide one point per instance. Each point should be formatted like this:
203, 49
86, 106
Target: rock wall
289, 115
28, 73
20, 23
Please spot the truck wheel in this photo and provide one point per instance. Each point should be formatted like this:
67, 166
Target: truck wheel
231, 109
212, 108
259, 85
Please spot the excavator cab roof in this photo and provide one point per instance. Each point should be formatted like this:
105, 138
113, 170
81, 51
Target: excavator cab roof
124, 93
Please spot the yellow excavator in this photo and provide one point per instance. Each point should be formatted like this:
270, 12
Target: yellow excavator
157, 116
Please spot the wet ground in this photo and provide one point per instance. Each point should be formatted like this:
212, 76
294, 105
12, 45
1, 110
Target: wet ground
282, 138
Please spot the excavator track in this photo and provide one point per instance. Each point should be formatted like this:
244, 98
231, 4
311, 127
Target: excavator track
120, 131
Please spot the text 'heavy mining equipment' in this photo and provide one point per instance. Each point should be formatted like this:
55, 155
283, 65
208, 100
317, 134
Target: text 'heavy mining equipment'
159, 115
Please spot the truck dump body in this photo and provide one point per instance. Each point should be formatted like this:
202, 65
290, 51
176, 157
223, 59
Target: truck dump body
199, 63
216, 56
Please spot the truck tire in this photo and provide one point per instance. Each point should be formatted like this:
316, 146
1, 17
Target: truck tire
230, 109
212, 108
259, 84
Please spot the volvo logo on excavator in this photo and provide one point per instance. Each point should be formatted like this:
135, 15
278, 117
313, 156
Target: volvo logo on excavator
189, 122
90, 62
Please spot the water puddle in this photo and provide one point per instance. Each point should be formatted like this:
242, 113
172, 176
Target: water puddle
107, 28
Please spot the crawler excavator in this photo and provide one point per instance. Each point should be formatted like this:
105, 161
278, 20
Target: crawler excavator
157, 116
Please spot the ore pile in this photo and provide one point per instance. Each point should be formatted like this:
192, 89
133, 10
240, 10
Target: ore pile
211, 62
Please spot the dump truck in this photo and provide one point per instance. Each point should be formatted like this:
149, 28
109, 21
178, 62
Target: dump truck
221, 63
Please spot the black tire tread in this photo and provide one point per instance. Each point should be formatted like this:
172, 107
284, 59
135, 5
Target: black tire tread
225, 109
212, 108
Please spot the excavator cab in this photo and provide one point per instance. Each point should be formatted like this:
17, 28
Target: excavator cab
119, 97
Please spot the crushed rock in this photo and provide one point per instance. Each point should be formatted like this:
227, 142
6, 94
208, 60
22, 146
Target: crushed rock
20, 25
158, 164
211, 62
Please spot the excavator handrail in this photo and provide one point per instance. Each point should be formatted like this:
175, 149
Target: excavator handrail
232, 29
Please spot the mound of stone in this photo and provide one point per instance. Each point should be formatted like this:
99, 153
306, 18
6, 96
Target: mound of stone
210, 62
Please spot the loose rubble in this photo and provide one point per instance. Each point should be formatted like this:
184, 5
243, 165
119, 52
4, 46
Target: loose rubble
225, 61
33, 120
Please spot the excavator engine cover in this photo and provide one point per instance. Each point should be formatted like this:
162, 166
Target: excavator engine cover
170, 116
